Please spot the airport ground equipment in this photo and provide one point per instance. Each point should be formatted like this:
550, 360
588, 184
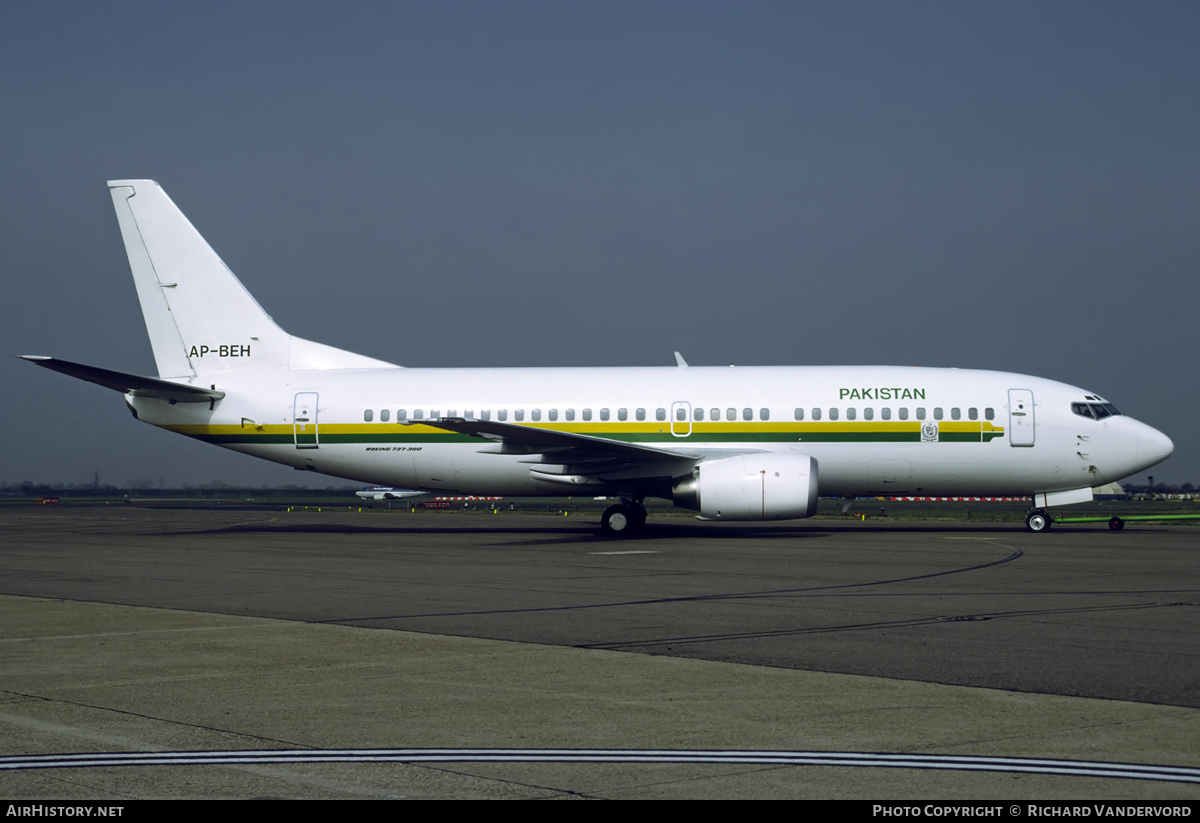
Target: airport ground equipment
1117, 523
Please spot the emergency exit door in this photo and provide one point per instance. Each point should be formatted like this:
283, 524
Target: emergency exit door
681, 418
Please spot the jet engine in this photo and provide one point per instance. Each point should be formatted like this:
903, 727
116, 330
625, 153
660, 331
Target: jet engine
763, 486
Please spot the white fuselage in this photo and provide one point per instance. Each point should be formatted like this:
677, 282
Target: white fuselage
872, 430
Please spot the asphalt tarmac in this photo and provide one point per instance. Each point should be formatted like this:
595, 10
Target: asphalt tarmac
127, 629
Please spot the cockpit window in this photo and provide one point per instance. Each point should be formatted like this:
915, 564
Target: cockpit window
1096, 411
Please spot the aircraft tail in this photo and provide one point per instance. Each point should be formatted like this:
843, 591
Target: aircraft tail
200, 318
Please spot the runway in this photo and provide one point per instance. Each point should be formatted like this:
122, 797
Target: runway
125, 626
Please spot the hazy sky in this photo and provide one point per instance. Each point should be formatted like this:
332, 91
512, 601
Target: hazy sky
1006, 186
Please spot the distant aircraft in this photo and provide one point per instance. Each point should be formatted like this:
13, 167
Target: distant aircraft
752, 443
387, 493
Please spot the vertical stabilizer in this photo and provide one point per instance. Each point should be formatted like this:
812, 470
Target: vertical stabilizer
200, 318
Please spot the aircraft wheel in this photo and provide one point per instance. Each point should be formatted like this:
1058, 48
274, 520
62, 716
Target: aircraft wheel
619, 520
1038, 521
1116, 524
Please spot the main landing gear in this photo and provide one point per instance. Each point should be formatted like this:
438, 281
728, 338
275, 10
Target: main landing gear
1038, 521
623, 519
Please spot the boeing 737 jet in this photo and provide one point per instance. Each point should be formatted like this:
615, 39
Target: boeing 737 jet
757, 443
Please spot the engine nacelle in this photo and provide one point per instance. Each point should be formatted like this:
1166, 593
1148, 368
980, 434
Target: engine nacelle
765, 486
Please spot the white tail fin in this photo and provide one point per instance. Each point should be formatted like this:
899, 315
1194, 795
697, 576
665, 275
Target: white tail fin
200, 318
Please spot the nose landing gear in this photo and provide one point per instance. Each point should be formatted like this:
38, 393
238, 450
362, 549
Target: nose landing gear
1038, 521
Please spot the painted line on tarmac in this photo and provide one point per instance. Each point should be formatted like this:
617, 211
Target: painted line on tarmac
1024, 765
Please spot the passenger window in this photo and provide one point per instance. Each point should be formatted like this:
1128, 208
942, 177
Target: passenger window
622, 414
486, 414
519, 414
816, 414
368, 415
973, 413
399, 415
920, 412
681, 413
764, 414
435, 414
955, 413
570, 414
731, 414
799, 414
989, 413
714, 414
418, 414
833, 414
697, 413
885, 413
554, 414
604, 414
452, 413
660, 414
385, 415
537, 414
851, 413
937, 413
502, 415
640, 414
747, 414
587, 414
904, 413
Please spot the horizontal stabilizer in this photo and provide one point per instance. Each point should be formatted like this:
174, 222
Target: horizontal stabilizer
127, 383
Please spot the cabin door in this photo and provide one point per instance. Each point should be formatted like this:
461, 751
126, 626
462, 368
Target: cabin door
1020, 417
304, 420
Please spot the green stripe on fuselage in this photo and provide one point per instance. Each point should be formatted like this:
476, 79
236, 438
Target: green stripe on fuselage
330, 435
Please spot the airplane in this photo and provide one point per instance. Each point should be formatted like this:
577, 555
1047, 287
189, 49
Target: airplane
387, 493
731, 443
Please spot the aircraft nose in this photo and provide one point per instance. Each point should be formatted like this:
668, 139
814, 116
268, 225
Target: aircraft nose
1153, 447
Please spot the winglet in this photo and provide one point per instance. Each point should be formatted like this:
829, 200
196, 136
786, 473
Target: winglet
679, 361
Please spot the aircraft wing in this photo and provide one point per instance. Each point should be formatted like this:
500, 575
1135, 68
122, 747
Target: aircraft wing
567, 457
127, 383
